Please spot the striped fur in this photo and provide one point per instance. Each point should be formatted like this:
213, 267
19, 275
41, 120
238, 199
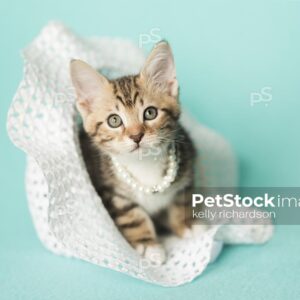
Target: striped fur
122, 202
137, 216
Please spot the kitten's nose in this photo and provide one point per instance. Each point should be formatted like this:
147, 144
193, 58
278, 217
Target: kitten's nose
137, 137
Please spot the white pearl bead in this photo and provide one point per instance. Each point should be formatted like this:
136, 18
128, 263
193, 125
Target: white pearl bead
168, 178
165, 184
158, 187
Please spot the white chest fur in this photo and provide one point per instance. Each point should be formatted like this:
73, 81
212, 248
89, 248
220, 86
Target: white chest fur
149, 171
156, 202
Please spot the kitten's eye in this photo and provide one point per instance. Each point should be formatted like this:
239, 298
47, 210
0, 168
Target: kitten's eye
150, 113
114, 121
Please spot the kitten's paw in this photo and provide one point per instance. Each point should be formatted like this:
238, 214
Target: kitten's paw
155, 253
195, 231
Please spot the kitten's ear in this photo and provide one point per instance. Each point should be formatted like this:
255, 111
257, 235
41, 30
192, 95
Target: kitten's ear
90, 86
159, 69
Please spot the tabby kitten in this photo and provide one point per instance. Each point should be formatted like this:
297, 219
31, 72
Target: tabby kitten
138, 156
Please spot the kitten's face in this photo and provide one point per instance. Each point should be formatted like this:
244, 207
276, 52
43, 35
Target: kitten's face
132, 118
133, 113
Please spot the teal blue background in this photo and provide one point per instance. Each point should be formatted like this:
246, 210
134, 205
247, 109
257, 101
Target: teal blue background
224, 51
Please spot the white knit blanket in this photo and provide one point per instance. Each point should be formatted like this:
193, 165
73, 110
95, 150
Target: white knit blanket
68, 215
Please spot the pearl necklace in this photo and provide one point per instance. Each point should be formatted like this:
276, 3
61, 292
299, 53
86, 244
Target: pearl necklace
168, 179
